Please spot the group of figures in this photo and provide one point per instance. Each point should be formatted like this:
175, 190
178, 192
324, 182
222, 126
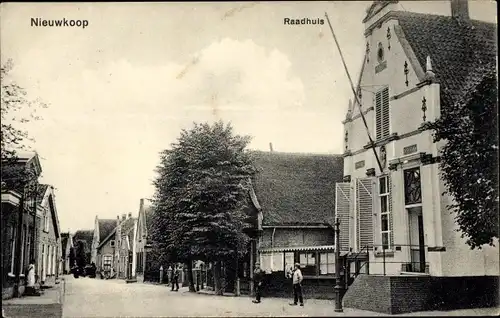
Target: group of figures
294, 273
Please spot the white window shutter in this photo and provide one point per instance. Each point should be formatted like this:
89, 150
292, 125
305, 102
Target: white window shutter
343, 212
364, 212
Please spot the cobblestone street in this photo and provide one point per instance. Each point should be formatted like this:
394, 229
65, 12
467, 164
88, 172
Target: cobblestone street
114, 298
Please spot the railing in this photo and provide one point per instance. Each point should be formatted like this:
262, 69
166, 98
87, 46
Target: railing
418, 266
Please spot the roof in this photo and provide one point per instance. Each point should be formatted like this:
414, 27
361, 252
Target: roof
460, 50
296, 189
106, 226
148, 211
126, 229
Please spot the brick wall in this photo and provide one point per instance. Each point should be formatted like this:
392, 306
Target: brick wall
369, 292
297, 237
410, 294
276, 285
403, 294
465, 292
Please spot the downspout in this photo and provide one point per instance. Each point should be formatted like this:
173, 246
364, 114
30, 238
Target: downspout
272, 249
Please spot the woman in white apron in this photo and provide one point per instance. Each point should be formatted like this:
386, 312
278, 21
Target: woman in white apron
31, 275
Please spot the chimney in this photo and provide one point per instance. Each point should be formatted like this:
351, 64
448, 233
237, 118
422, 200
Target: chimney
460, 9
130, 215
124, 217
141, 205
117, 220
271, 147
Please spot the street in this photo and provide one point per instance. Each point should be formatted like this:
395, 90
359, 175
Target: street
85, 297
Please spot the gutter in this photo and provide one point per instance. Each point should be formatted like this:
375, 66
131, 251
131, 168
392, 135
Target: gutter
295, 226
272, 246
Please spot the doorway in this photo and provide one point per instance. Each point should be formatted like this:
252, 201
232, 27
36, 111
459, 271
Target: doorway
417, 243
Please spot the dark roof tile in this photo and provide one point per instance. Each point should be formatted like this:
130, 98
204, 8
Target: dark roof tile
296, 188
106, 226
460, 51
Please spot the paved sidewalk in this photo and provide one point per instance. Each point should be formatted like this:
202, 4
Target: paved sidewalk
49, 304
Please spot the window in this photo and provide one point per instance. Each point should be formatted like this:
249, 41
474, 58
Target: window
112, 243
326, 263
106, 262
382, 113
46, 222
384, 211
23, 248
13, 248
31, 254
307, 263
380, 53
413, 191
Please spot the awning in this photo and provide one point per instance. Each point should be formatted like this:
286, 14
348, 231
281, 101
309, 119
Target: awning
301, 248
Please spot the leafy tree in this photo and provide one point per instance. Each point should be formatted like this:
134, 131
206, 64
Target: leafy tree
14, 102
469, 161
201, 190
81, 255
16, 110
72, 257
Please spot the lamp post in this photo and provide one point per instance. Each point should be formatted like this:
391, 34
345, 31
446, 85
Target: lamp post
338, 282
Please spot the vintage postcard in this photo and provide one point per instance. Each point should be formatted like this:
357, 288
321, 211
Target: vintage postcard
226, 159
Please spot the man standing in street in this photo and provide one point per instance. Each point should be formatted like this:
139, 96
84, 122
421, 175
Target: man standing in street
297, 286
258, 276
175, 278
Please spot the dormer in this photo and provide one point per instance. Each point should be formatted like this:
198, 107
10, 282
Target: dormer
376, 11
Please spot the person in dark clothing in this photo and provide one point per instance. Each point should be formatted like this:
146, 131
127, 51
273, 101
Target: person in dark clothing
258, 277
175, 278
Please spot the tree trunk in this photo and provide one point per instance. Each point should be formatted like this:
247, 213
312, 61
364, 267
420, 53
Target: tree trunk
218, 286
190, 275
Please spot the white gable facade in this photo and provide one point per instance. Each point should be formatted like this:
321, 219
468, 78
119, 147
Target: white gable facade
398, 214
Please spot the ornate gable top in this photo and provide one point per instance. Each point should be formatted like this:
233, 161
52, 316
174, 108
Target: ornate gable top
375, 7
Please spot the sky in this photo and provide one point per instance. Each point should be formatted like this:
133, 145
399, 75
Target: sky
120, 90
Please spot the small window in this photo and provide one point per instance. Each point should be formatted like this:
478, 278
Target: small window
380, 53
46, 222
308, 263
112, 243
326, 263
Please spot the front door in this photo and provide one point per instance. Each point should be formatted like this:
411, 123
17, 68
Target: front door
417, 243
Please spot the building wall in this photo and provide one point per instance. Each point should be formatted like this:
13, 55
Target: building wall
403, 294
459, 259
10, 219
140, 244
49, 248
296, 237
446, 252
106, 249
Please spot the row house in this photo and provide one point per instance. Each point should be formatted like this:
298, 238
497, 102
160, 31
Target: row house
144, 269
67, 248
49, 238
29, 218
416, 67
113, 246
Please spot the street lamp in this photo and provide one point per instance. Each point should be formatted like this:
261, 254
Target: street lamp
338, 282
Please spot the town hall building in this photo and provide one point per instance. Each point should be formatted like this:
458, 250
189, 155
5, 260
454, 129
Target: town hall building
416, 67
